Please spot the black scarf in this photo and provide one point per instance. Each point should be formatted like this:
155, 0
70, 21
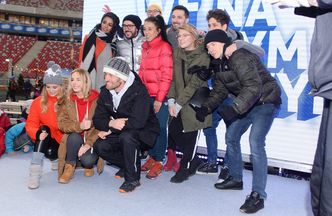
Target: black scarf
91, 44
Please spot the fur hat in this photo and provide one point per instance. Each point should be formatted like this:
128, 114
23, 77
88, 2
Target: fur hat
117, 67
217, 35
134, 19
52, 74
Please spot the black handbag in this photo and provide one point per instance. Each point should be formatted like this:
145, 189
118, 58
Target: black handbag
200, 95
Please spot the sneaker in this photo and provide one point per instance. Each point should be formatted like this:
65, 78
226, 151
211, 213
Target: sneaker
119, 174
224, 174
155, 171
54, 165
208, 168
128, 186
148, 165
180, 176
229, 184
252, 204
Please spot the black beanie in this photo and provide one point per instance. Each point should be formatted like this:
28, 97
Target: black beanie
218, 36
134, 19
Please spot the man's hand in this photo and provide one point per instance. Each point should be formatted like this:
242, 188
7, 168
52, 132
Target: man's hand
117, 124
230, 49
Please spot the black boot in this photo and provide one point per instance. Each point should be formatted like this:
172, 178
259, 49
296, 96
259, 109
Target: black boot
180, 176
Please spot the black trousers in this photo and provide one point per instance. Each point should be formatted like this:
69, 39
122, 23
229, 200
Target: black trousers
122, 151
48, 146
186, 141
73, 144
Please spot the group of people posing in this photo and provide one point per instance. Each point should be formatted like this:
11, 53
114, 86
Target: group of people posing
133, 93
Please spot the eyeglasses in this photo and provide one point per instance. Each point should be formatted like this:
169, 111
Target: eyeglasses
153, 11
128, 26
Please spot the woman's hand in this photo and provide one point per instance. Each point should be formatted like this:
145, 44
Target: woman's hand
230, 49
172, 111
43, 135
83, 149
104, 134
156, 106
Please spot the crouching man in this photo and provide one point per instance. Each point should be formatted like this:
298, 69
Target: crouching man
126, 121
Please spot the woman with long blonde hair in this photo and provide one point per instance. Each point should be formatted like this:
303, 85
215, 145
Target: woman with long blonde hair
41, 124
74, 119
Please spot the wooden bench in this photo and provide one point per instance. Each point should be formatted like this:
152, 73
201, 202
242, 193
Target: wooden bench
13, 110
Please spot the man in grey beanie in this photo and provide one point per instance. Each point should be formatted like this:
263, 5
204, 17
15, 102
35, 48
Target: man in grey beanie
126, 121
131, 46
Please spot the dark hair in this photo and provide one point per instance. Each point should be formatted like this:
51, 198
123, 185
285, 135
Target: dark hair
220, 15
181, 7
159, 22
116, 21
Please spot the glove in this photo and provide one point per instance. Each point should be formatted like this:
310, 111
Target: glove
201, 113
194, 69
228, 114
204, 74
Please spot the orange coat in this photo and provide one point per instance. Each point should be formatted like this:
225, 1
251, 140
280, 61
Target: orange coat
36, 119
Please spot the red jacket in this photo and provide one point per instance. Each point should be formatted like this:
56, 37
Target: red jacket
156, 67
36, 119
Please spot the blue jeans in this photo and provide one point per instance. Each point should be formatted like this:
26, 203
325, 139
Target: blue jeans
211, 135
260, 119
159, 149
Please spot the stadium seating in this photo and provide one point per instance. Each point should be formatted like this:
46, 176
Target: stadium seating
13, 47
73, 5
59, 52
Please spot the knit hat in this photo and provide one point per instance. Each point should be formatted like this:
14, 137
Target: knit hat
134, 19
118, 67
154, 6
217, 35
52, 74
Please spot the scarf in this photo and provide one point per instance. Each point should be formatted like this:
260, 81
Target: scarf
116, 97
90, 46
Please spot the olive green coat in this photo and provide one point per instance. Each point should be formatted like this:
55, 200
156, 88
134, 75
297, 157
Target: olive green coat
182, 94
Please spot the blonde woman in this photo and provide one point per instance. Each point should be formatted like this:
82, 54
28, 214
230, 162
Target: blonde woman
74, 119
41, 124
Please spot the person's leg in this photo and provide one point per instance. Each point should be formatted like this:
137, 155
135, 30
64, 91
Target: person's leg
159, 149
73, 144
129, 141
109, 149
262, 117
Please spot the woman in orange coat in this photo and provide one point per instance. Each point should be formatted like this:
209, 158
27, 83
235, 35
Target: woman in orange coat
41, 124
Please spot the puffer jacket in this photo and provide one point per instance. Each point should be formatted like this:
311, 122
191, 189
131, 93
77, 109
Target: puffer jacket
68, 123
181, 93
131, 50
248, 80
156, 67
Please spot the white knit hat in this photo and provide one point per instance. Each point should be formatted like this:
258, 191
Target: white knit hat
52, 74
118, 67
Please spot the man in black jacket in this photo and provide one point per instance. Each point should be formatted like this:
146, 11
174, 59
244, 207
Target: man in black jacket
126, 121
256, 101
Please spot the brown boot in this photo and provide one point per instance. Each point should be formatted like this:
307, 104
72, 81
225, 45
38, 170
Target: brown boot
67, 174
88, 172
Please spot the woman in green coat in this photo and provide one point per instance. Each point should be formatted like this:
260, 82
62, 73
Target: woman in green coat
190, 61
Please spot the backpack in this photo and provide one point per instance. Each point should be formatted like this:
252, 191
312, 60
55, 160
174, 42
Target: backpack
22, 140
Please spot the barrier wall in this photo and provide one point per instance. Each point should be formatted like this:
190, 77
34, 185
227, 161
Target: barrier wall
285, 38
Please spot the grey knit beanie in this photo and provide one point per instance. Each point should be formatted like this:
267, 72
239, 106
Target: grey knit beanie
53, 74
117, 67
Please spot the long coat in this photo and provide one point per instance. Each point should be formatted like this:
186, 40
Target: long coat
181, 92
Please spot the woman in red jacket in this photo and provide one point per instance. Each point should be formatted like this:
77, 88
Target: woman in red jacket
41, 124
156, 73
